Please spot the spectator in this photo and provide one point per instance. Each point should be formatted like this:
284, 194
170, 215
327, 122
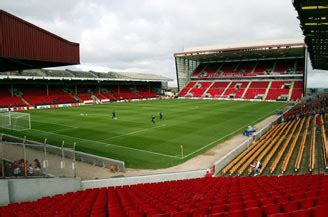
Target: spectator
256, 166
208, 174
17, 170
30, 170
318, 121
37, 166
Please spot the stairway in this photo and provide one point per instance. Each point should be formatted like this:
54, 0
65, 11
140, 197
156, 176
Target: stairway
225, 89
291, 91
267, 91
207, 89
249, 84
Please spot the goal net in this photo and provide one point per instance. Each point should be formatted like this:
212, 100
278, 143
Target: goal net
15, 121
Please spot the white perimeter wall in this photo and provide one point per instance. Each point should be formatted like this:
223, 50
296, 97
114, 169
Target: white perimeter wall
4, 194
142, 179
19, 190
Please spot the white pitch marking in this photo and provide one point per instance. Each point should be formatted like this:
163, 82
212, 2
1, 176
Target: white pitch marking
54, 124
211, 143
134, 132
108, 144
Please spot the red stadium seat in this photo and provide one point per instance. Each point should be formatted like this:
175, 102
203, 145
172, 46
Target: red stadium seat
271, 209
289, 206
253, 212
300, 213
319, 211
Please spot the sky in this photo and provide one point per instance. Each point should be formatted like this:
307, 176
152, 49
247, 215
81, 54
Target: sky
143, 35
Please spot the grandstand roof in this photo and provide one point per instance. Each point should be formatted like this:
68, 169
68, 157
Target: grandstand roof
50, 74
255, 50
26, 46
313, 15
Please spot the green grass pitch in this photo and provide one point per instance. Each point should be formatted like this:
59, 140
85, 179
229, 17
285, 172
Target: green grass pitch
198, 125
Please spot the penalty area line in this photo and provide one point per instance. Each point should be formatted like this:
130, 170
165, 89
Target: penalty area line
131, 133
108, 144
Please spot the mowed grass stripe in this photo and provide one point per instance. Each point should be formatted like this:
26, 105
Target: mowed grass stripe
195, 124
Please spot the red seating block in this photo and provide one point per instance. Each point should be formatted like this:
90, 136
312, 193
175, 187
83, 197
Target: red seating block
300, 213
180, 214
253, 212
290, 206
271, 209
217, 209
306, 203
319, 211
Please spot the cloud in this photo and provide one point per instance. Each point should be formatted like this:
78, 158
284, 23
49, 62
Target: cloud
143, 35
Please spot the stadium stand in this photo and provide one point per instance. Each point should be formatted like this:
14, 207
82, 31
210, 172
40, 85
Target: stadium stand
278, 147
219, 196
49, 87
271, 76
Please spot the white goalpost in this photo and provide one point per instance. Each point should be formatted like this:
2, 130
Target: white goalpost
15, 121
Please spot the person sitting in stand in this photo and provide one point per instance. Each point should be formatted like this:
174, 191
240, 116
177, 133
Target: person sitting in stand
256, 166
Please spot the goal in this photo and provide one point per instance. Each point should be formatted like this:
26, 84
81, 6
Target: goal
15, 121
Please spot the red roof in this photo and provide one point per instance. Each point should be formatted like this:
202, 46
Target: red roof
25, 46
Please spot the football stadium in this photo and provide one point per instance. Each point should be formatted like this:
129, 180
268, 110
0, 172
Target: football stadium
244, 136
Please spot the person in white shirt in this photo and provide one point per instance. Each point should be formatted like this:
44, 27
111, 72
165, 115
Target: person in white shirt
256, 166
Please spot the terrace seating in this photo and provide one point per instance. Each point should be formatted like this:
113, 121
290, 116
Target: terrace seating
11, 101
200, 88
256, 88
302, 146
144, 92
38, 96
324, 143
299, 66
236, 89
58, 73
217, 89
278, 145
263, 66
277, 89
297, 92
84, 96
312, 160
198, 70
284, 66
292, 146
211, 70
33, 72
246, 67
83, 74
219, 196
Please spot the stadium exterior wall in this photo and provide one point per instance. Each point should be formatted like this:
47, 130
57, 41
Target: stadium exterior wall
42, 45
142, 179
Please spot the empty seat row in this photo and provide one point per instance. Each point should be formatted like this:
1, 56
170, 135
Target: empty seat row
217, 196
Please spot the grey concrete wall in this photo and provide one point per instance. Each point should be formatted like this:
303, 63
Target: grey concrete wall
4, 194
142, 179
33, 189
